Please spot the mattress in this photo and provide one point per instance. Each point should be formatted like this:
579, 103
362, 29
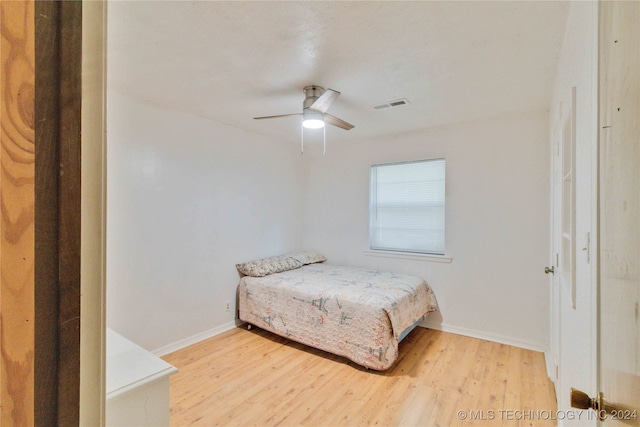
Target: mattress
352, 312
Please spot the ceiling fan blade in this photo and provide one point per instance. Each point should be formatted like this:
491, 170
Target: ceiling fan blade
324, 101
278, 116
333, 120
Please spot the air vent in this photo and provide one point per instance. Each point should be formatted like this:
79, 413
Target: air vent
395, 103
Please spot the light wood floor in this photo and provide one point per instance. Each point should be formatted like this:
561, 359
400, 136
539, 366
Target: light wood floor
253, 377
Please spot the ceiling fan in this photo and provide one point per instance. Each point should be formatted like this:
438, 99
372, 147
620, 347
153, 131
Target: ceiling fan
314, 109
314, 114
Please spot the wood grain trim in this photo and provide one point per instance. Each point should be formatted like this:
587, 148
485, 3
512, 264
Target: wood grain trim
58, 171
69, 188
17, 160
46, 214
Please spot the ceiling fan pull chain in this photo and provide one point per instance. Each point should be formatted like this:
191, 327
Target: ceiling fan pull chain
324, 141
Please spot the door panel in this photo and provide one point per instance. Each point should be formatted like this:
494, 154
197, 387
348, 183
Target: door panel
572, 279
554, 291
619, 338
574, 339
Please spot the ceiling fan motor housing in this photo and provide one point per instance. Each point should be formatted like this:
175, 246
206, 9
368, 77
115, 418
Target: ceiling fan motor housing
311, 93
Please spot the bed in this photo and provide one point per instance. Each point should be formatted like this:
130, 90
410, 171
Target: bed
352, 312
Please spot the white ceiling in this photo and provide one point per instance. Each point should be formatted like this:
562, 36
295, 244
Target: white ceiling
231, 61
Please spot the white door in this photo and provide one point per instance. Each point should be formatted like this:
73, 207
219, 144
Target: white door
573, 299
554, 289
564, 215
573, 286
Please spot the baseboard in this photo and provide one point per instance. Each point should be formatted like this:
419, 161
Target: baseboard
175, 346
483, 336
551, 369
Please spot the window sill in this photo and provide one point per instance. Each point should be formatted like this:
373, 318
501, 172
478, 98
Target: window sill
409, 255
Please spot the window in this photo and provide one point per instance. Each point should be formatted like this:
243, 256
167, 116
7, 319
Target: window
406, 207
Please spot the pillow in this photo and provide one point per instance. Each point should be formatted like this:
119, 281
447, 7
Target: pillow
265, 266
307, 257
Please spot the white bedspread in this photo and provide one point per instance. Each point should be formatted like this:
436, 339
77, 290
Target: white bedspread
352, 312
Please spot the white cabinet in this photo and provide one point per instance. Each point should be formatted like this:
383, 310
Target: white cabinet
137, 384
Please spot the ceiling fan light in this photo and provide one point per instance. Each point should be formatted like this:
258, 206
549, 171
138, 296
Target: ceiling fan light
313, 119
313, 124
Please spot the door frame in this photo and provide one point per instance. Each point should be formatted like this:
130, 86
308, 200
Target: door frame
93, 214
50, 151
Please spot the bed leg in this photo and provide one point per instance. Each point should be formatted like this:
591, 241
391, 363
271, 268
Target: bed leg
248, 326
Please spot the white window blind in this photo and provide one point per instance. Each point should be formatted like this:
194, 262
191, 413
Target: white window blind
407, 207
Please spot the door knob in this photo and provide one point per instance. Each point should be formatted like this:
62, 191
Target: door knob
548, 270
581, 400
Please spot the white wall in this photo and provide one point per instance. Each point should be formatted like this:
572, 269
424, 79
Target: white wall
577, 68
497, 221
188, 199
